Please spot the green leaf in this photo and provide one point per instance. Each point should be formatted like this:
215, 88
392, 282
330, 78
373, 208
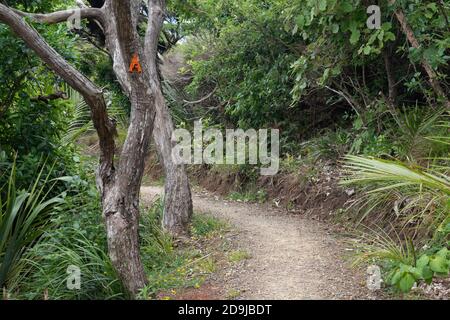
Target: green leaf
396, 277
386, 26
335, 28
301, 21
442, 253
322, 5
406, 282
427, 274
423, 261
389, 36
354, 38
439, 264
346, 7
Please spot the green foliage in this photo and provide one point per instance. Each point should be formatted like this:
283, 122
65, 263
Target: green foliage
248, 58
156, 243
170, 267
206, 226
31, 126
336, 37
279, 63
427, 267
249, 196
416, 197
238, 255
76, 236
375, 245
414, 127
404, 266
393, 175
24, 217
309, 68
81, 123
59, 249
419, 197
329, 144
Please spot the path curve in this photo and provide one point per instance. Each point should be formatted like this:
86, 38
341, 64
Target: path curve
291, 257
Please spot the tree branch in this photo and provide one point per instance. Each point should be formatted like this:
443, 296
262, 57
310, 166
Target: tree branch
62, 16
155, 18
54, 96
409, 33
209, 95
90, 92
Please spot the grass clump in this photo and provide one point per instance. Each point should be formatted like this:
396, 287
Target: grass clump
238, 255
206, 226
171, 266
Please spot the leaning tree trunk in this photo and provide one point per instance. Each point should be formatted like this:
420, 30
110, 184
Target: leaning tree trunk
177, 192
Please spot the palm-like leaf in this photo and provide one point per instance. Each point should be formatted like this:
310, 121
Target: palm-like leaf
392, 190
23, 217
392, 175
81, 122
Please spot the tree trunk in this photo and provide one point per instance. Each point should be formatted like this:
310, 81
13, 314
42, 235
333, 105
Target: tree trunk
121, 196
120, 199
392, 91
177, 199
123, 242
177, 194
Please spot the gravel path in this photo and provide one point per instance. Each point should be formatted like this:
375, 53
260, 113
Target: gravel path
291, 257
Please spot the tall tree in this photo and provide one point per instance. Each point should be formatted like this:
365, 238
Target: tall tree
119, 183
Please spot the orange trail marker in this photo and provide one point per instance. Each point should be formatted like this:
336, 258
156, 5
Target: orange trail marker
135, 65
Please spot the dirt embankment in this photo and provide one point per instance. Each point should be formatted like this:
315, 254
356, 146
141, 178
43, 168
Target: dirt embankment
311, 192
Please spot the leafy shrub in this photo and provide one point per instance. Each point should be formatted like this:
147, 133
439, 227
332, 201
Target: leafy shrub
51, 259
420, 198
403, 276
249, 196
206, 226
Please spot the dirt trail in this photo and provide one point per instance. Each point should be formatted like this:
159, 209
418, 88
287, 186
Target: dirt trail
291, 257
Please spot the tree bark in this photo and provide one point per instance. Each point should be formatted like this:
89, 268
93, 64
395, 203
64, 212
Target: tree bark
177, 192
61, 16
392, 91
121, 198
